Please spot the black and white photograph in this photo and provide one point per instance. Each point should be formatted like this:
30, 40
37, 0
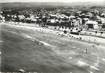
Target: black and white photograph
52, 36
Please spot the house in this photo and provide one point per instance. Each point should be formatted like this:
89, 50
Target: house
92, 25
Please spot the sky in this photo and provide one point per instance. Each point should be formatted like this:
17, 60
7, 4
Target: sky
100, 1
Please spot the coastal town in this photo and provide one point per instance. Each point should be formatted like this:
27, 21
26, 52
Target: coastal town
52, 39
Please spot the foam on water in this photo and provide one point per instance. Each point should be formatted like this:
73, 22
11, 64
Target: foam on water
103, 59
81, 63
1, 41
47, 44
90, 72
0, 52
70, 57
93, 67
27, 36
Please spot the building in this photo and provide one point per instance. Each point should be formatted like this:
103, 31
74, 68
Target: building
92, 25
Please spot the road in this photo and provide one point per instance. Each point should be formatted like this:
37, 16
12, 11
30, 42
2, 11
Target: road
42, 50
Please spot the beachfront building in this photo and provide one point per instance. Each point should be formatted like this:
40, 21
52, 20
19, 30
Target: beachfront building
92, 25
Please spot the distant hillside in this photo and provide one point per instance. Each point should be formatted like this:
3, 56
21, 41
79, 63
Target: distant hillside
48, 4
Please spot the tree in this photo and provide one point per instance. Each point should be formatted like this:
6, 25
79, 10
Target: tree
101, 33
95, 32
